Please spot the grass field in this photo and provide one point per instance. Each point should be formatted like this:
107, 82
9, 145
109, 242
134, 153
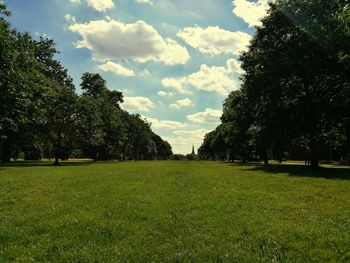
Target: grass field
173, 212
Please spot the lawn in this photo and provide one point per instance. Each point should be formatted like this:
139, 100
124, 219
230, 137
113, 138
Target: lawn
173, 212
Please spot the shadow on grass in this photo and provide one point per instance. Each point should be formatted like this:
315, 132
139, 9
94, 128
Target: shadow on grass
21, 164
303, 171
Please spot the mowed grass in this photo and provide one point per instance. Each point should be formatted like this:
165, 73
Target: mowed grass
173, 212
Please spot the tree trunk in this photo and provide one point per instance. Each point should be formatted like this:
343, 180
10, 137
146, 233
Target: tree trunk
57, 162
314, 162
94, 157
266, 158
57, 152
266, 161
6, 151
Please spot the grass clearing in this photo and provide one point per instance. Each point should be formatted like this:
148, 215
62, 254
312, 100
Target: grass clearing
173, 212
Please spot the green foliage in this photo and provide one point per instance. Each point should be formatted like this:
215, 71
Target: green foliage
173, 212
42, 116
109, 133
93, 85
178, 157
295, 93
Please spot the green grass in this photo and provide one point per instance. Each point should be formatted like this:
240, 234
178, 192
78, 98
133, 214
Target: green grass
173, 212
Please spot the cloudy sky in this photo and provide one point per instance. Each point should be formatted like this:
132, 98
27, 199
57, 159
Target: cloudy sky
174, 60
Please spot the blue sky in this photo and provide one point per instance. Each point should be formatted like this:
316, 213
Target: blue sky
174, 60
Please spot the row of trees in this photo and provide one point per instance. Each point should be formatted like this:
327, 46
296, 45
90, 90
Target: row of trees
295, 97
41, 115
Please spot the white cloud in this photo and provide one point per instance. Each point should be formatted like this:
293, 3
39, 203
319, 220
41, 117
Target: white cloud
234, 66
145, 73
113, 40
209, 116
214, 40
116, 69
146, 2
70, 18
101, 5
98, 5
177, 84
137, 104
173, 53
182, 140
165, 124
164, 93
193, 134
181, 103
250, 12
211, 79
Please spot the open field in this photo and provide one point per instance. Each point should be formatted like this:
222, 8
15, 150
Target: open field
173, 212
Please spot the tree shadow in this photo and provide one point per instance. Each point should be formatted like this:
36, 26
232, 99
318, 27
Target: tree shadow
22, 164
332, 173
240, 164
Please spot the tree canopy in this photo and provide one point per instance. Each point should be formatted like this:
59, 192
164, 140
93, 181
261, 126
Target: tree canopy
294, 99
41, 114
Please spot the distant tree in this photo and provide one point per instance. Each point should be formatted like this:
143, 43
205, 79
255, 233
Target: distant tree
139, 137
41, 115
178, 157
206, 151
214, 146
163, 148
94, 100
113, 130
90, 126
190, 157
61, 122
236, 120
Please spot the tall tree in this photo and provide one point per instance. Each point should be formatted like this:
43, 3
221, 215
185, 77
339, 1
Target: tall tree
292, 73
61, 121
296, 82
21, 86
40, 113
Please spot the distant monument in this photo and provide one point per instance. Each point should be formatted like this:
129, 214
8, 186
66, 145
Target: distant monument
192, 156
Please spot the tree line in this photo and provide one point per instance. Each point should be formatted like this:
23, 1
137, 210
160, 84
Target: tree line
41, 115
294, 101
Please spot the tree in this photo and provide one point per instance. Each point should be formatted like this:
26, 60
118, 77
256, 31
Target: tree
21, 88
61, 119
163, 148
89, 126
115, 98
93, 85
295, 87
40, 113
112, 130
292, 73
236, 121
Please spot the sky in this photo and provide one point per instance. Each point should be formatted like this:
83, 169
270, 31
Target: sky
174, 60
